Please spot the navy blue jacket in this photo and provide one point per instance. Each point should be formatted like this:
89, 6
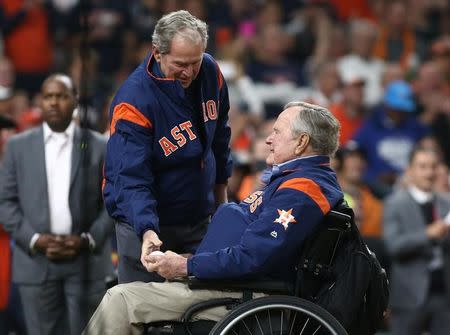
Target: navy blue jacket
161, 165
387, 146
262, 235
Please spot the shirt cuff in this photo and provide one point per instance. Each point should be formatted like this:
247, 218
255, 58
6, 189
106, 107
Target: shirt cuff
90, 239
33, 240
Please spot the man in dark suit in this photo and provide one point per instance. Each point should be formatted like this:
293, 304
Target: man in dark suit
51, 203
417, 238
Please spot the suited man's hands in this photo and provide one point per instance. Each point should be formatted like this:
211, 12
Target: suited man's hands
57, 248
437, 230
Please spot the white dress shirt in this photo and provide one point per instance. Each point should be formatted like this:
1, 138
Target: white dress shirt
422, 197
58, 162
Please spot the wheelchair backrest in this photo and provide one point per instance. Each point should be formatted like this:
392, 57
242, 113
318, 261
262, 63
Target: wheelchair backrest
320, 248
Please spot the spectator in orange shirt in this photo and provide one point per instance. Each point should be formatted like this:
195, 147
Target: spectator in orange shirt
28, 42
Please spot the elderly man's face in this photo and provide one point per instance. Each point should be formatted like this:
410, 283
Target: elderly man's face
184, 60
281, 141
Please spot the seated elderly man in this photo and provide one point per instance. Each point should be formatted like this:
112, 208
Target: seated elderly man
261, 236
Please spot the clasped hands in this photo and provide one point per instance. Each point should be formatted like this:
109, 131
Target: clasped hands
169, 266
60, 247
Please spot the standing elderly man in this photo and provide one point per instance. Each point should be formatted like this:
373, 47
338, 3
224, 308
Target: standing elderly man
51, 203
261, 236
168, 158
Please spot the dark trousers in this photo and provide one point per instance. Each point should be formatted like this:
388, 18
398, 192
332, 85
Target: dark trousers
433, 315
177, 238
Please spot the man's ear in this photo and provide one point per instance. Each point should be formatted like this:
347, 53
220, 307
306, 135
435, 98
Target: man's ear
302, 143
156, 53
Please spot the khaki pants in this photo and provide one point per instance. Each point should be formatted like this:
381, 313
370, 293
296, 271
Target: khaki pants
126, 307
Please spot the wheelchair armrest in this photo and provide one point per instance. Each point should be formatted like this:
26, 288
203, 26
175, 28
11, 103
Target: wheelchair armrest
261, 285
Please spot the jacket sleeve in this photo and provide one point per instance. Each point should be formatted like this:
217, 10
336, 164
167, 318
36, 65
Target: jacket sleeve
221, 142
11, 215
128, 169
400, 240
266, 242
102, 226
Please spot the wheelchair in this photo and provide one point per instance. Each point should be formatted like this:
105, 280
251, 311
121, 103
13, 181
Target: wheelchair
282, 311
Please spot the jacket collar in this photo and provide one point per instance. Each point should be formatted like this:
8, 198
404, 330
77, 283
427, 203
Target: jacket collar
293, 165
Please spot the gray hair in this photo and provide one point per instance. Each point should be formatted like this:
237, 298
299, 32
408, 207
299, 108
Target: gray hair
182, 23
320, 124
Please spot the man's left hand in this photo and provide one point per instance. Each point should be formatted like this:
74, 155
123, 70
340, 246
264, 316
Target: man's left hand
75, 243
169, 266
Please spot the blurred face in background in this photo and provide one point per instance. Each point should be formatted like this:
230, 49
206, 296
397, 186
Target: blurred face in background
353, 167
273, 51
353, 94
328, 79
396, 16
363, 39
422, 170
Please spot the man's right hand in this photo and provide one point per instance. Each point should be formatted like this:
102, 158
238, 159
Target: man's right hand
53, 247
150, 242
44, 241
437, 230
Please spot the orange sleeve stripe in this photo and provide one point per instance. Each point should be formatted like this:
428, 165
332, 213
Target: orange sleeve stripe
311, 189
219, 77
125, 111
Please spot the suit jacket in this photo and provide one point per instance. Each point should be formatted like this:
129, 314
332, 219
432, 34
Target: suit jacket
410, 249
24, 207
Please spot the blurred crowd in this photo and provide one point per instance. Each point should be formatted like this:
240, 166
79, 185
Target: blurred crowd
381, 66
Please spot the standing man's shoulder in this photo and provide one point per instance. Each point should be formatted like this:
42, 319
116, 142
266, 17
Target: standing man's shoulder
397, 197
209, 60
24, 137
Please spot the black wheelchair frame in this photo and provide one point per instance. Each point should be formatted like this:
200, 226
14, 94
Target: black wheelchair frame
281, 312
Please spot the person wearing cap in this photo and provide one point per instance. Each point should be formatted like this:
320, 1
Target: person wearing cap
363, 34
389, 135
350, 110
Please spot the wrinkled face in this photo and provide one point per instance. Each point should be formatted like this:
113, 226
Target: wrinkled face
183, 61
58, 103
423, 170
281, 141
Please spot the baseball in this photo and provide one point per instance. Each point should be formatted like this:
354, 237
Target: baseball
156, 253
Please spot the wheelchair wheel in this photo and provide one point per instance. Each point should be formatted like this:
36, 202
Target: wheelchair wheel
278, 315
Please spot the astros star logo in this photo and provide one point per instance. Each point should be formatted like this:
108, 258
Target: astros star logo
285, 218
